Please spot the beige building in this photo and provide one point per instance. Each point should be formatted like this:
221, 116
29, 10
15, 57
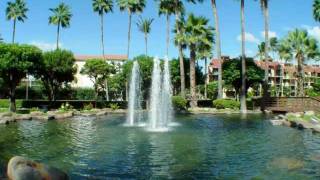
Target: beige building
85, 81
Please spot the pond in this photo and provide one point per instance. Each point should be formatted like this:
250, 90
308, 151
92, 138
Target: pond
199, 147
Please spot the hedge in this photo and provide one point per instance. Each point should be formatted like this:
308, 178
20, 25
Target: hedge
226, 103
5, 103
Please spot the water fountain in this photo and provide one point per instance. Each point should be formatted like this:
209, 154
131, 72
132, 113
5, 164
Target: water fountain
160, 98
134, 105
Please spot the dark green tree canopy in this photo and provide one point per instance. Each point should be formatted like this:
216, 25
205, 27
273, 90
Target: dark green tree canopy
17, 10
102, 6
61, 15
232, 73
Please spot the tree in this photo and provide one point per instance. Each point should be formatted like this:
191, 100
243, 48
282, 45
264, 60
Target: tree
316, 10
218, 45
300, 46
197, 33
61, 17
15, 62
55, 71
261, 51
16, 11
167, 8
101, 7
232, 74
144, 26
132, 7
98, 71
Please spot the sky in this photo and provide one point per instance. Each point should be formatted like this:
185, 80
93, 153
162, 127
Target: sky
83, 36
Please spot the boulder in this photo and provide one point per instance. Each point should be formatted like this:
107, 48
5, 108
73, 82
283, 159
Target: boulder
309, 113
20, 168
7, 120
20, 117
64, 115
276, 122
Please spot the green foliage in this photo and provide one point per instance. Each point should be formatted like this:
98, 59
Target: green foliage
55, 71
316, 10
226, 103
88, 107
5, 103
212, 90
114, 106
61, 15
15, 61
135, 6
83, 94
98, 71
232, 69
102, 6
179, 103
65, 107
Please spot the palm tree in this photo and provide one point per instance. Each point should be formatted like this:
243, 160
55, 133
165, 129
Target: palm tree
218, 46
101, 7
16, 11
243, 102
197, 34
300, 46
273, 46
61, 17
316, 10
205, 52
167, 8
144, 25
261, 51
132, 6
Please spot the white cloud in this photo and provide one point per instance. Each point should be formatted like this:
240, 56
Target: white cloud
272, 34
249, 38
45, 46
314, 31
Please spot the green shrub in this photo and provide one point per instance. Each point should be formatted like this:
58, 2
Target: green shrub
83, 94
65, 107
179, 102
88, 107
226, 103
114, 106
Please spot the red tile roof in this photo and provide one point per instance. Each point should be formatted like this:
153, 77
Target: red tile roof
107, 57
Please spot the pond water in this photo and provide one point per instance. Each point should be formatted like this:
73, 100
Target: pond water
200, 147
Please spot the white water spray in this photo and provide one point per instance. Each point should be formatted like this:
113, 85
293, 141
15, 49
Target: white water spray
134, 105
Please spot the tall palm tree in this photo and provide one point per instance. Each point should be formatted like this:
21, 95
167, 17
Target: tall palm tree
132, 7
218, 46
261, 51
205, 53
197, 34
243, 103
102, 7
144, 25
316, 10
300, 46
61, 17
16, 11
273, 46
167, 8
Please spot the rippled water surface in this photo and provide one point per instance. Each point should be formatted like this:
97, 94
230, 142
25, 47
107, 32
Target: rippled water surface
201, 147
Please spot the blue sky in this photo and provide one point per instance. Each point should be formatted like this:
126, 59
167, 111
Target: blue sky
83, 37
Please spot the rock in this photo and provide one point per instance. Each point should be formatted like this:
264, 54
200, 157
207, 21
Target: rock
40, 117
286, 123
20, 168
20, 117
309, 113
7, 120
64, 115
281, 116
276, 122
36, 113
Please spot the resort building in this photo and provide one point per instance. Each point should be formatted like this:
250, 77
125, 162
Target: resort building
84, 80
282, 76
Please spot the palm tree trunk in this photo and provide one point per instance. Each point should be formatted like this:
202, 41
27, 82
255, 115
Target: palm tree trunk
300, 76
58, 35
243, 103
102, 37
218, 47
207, 78
266, 54
14, 30
12, 94
181, 62
146, 42
193, 102
168, 35
129, 33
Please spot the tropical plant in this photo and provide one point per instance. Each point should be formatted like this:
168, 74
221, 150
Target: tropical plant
226, 104
144, 26
55, 71
132, 7
102, 7
98, 71
15, 62
316, 10
197, 34
218, 45
179, 103
261, 51
61, 18
16, 11
167, 8
300, 46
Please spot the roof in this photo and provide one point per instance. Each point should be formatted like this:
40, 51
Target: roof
110, 57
